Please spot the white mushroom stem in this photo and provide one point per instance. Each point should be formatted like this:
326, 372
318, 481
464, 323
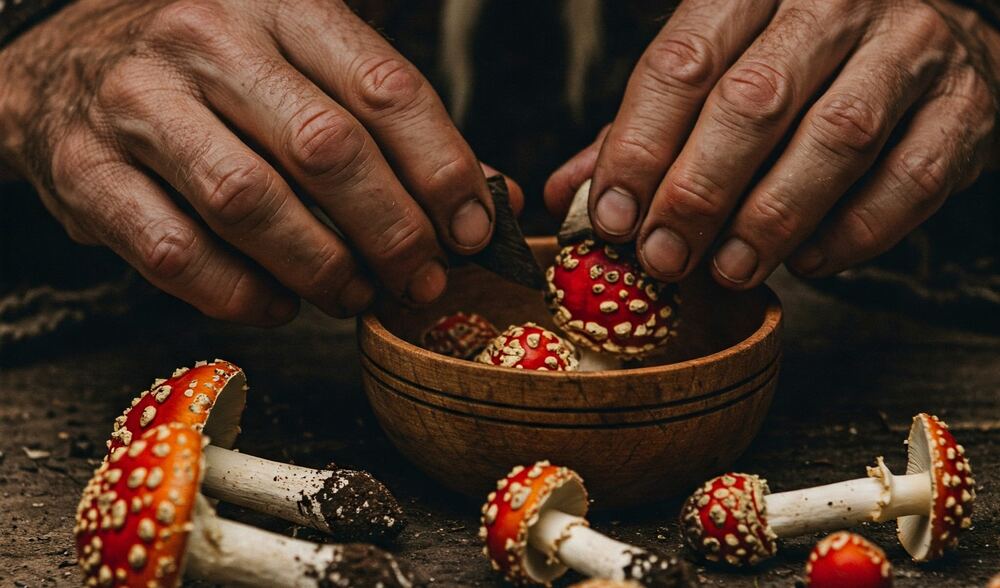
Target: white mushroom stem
594, 361
570, 541
262, 485
233, 554
880, 497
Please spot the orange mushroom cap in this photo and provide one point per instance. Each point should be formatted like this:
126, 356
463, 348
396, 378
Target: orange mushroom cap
516, 505
933, 448
846, 559
134, 519
603, 300
725, 520
190, 396
459, 335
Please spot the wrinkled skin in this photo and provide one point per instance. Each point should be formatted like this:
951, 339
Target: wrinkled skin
815, 133
191, 137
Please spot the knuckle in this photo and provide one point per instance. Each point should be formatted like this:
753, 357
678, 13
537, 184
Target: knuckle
925, 22
682, 61
863, 232
402, 241
189, 22
332, 269
454, 176
848, 125
124, 86
777, 217
242, 302
327, 143
633, 148
756, 92
242, 189
389, 84
923, 179
170, 249
693, 195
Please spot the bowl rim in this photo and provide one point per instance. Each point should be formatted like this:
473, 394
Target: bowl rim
773, 314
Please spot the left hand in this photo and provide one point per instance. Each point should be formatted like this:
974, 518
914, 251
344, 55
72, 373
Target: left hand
812, 132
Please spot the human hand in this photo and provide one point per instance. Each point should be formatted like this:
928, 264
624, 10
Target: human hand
812, 132
180, 133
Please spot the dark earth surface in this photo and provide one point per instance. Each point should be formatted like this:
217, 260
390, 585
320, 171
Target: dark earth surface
851, 380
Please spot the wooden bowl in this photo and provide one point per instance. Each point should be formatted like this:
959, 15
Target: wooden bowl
635, 435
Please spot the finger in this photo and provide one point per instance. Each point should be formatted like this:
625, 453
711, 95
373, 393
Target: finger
836, 143
246, 202
936, 157
662, 100
565, 181
514, 191
133, 216
743, 120
332, 158
399, 107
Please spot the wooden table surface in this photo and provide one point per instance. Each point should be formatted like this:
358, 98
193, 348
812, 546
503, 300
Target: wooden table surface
851, 380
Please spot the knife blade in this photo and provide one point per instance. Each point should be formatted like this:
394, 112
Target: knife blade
576, 226
507, 253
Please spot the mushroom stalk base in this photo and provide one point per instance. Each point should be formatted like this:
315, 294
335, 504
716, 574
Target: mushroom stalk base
574, 544
262, 485
228, 553
845, 504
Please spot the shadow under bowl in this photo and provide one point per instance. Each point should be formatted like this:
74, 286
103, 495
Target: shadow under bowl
635, 435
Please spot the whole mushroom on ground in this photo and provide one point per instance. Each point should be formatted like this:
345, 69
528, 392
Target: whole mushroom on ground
733, 518
459, 335
142, 522
845, 559
530, 347
210, 397
534, 531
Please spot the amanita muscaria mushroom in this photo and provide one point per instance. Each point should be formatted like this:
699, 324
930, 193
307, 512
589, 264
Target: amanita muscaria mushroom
845, 559
733, 518
459, 335
530, 347
603, 300
534, 531
142, 522
351, 505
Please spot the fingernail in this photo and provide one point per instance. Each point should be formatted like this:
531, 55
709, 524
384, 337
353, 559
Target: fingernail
356, 295
808, 260
736, 261
428, 283
665, 251
471, 224
282, 308
616, 211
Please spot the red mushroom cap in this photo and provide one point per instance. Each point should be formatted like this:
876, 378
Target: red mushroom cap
210, 395
516, 505
725, 520
932, 448
133, 521
459, 335
530, 347
846, 559
602, 299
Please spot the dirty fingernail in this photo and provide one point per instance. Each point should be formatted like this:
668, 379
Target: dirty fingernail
428, 283
809, 260
736, 261
665, 251
470, 225
616, 212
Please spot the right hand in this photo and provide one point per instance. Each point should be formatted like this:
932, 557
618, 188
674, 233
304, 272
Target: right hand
109, 108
